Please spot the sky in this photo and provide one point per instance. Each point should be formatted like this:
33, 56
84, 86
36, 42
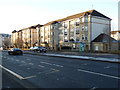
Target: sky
19, 14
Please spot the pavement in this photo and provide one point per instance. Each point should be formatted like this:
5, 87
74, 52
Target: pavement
104, 57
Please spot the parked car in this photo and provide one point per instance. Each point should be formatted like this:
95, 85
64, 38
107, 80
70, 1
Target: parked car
15, 51
2, 48
31, 48
40, 49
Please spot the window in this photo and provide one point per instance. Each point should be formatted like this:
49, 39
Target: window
52, 27
96, 48
77, 38
82, 19
86, 19
85, 28
53, 33
65, 25
82, 28
65, 32
72, 34
61, 31
82, 37
77, 22
77, 30
86, 37
48, 36
66, 38
53, 41
72, 22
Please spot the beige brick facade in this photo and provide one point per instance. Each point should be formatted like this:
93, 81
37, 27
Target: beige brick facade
70, 31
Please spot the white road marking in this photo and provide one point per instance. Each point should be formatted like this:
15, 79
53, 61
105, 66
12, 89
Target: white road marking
93, 88
17, 60
57, 65
28, 68
57, 79
85, 64
53, 71
15, 74
98, 74
107, 67
52, 64
28, 59
29, 77
31, 63
41, 66
23, 61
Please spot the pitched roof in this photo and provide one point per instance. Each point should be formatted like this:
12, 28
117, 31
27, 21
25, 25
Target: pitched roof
114, 32
104, 38
90, 12
14, 31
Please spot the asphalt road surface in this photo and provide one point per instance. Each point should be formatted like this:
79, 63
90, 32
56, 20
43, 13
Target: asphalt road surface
33, 71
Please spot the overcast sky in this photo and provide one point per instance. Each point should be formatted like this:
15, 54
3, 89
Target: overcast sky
19, 14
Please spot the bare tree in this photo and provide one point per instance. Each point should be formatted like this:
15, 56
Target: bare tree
34, 44
26, 43
15, 45
19, 43
7, 43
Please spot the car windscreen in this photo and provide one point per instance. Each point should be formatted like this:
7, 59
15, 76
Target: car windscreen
15, 49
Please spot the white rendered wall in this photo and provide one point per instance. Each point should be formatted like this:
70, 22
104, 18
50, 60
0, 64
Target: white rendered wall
99, 26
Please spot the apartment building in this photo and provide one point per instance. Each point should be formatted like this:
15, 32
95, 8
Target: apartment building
115, 34
26, 37
76, 31
5, 40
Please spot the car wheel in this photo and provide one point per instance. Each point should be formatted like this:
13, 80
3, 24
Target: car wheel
21, 53
44, 51
9, 53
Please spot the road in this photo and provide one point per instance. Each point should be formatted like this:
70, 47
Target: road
55, 72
